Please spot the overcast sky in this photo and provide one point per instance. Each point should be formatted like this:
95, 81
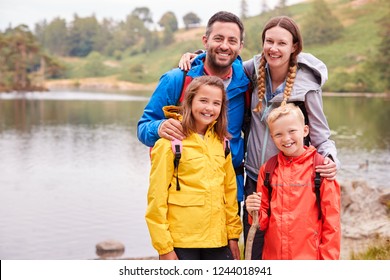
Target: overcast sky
29, 12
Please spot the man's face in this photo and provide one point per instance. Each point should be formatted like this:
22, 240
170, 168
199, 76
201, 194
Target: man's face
223, 45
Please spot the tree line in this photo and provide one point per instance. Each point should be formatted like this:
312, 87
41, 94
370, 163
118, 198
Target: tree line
133, 35
27, 58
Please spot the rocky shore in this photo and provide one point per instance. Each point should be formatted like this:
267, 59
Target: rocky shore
365, 216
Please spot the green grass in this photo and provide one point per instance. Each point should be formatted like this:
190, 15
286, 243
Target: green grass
379, 250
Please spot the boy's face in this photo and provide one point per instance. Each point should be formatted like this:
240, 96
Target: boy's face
288, 133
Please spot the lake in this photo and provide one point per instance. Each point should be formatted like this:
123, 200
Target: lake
73, 173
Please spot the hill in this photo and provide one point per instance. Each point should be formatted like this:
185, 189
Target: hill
347, 58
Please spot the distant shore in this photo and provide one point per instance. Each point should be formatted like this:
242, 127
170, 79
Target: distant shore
104, 83
110, 84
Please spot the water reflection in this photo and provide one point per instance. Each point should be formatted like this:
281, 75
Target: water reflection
359, 122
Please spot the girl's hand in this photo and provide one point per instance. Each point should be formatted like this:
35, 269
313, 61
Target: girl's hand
253, 202
169, 256
233, 245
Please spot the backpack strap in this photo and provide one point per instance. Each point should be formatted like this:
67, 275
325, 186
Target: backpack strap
186, 81
301, 105
226, 146
177, 147
249, 69
270, 166
318, 160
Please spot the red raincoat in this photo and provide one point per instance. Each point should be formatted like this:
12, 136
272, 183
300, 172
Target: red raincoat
293, 230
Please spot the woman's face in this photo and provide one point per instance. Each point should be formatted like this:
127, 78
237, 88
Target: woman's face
278, 47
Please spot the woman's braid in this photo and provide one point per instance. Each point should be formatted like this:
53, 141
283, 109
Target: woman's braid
292, 73
261, 84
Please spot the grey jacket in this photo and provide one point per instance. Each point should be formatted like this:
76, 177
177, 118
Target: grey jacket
311, 75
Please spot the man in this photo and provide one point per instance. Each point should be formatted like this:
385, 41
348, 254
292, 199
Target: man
223, 42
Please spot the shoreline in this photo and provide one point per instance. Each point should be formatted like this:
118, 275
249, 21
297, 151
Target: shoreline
103, 83
111, 84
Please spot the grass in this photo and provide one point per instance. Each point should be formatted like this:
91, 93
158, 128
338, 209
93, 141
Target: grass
379, 250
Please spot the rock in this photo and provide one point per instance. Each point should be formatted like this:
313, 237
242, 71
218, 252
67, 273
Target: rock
385, 198
364, 216
110, 249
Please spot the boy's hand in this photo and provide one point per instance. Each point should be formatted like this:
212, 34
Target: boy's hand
253, 202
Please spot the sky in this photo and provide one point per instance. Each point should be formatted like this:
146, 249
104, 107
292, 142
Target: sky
30, 12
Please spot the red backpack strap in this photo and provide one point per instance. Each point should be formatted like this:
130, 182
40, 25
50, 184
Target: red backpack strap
187, 80
270, 166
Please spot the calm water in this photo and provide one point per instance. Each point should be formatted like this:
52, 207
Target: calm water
72, 172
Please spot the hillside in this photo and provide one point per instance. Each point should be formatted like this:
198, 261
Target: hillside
346, 57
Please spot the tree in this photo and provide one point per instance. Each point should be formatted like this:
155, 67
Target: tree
21, 56
191, 20
169, 20
282, 8
82, 35
382, 61
104, 37
144, 14
244, 9
54, 36
264, 6
23, 46
320, 26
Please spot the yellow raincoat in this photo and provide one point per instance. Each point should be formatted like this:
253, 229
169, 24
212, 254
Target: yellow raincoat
203, 212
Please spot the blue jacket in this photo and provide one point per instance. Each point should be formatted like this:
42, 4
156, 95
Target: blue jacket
168, 92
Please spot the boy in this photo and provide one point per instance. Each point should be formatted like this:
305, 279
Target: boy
294, 227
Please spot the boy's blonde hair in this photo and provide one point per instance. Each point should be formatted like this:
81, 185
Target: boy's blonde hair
289, 108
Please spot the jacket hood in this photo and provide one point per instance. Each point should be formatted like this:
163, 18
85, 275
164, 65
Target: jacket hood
173, 112
286, 161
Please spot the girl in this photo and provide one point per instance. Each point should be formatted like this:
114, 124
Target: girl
192, 211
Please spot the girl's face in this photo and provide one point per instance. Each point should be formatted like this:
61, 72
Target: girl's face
288, 132
206, 107
278, 47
